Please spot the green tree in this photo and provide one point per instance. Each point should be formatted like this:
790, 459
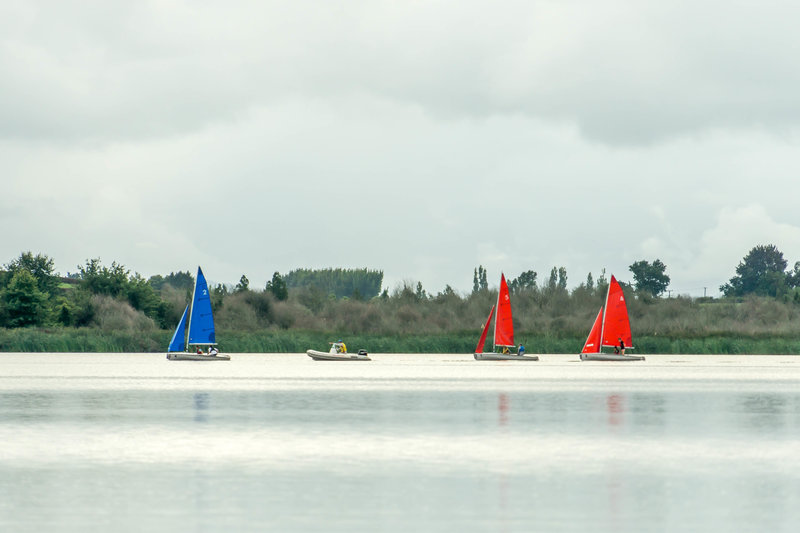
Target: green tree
524, 282
762, 271
24, 303
562, 279
420, 292
793, 277
479, 281
142, 296
115, 281
156, 281
218, 294
650, 278
243, 285
99, 279
447, 292
601, 285
180, 280
41, 268
81, 308
314, 298
552, 283
338, 282
277, 286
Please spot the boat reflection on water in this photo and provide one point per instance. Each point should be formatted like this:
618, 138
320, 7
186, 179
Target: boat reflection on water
502, 408
616, 406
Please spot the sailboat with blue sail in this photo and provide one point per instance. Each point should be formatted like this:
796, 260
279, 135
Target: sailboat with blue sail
200, 328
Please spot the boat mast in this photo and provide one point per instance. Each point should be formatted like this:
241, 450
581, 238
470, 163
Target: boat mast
603, 323
191, 309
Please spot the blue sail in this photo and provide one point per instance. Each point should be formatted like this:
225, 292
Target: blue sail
176, 344
201, 321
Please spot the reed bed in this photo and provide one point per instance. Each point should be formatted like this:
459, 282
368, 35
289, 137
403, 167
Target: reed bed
555, 322
283, 341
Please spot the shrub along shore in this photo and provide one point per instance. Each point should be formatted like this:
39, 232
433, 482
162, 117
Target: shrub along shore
108, 309
93, 340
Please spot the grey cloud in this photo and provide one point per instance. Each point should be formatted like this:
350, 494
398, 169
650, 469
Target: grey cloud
623, 73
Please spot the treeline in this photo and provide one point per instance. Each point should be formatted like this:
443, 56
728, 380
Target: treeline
108, 297
360, 284
108, 308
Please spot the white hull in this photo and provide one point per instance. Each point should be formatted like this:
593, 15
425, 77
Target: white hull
491, 356
610, 357
327, 356
185, 356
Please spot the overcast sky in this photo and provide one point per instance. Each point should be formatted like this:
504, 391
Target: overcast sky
421, 138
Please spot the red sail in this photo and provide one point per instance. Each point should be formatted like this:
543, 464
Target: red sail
616, 325
593, 340
503, 324
482, 340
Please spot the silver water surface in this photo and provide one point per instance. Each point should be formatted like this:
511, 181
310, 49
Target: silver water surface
132, 442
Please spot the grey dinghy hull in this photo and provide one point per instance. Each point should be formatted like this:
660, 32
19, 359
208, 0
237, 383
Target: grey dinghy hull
327, 356
610, 357
489, 356
180, 356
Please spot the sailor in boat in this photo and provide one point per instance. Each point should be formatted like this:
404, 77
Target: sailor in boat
505, 351
521, 350
621, 347
340, 346
212, 350
199, 351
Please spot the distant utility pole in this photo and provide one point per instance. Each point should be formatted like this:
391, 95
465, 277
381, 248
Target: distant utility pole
669, 293
704, 292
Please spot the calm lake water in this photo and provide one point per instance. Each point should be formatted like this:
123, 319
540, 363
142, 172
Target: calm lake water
278, 442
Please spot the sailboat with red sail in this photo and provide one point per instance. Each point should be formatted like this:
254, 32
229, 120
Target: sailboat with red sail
611, 328
503, 332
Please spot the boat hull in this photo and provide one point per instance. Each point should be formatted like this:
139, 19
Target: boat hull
489, 356
182, 356
610, 357
327, 356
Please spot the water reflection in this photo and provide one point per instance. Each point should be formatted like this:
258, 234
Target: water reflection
649, 410
600, 459
615, 404
201, 401
764, 411
29, 406
502, 408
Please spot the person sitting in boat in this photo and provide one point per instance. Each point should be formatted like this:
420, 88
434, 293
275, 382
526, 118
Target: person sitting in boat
505, 351
199, 351
621, 347
340, 346
212, 350
521, 350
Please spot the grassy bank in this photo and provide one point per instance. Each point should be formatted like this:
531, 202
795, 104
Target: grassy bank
81, 340
293, 341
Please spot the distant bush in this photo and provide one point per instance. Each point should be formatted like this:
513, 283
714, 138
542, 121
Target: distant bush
112, 314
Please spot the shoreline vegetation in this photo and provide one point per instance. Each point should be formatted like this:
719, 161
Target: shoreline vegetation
74, 340
108, 309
